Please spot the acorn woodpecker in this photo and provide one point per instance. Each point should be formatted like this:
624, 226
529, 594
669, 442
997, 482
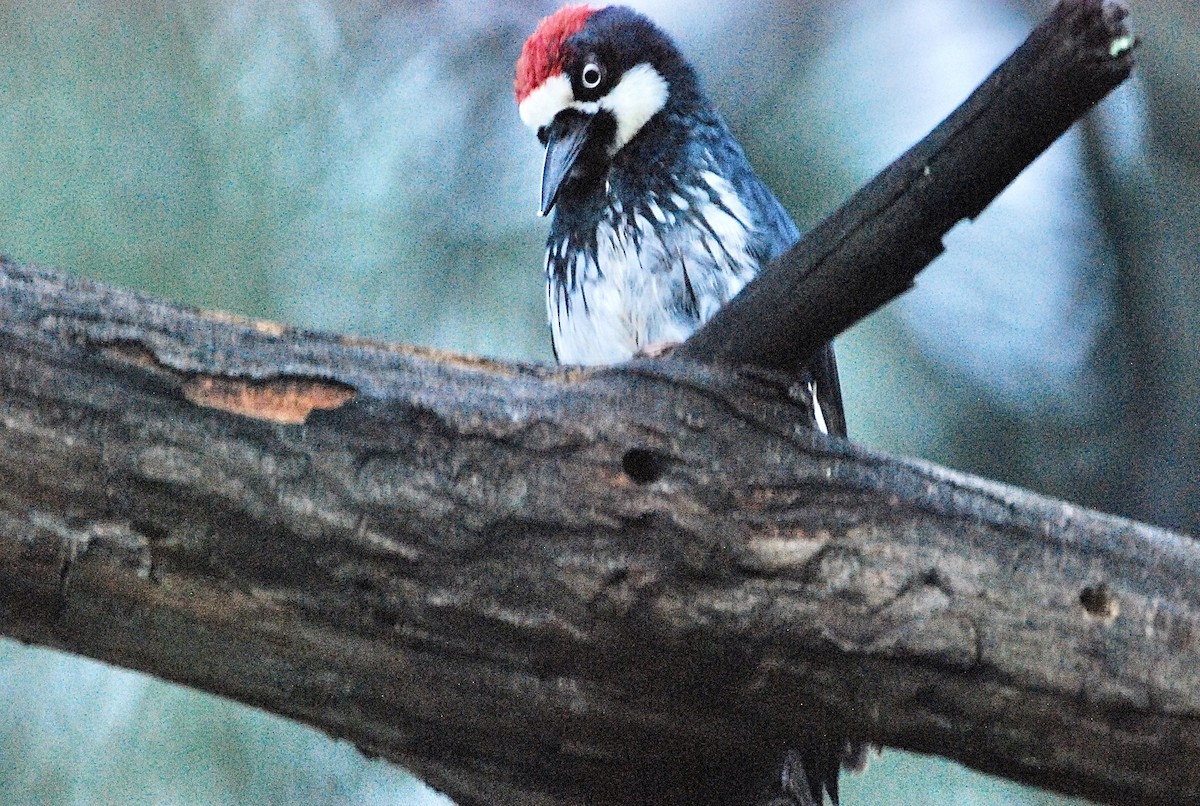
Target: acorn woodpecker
658, 218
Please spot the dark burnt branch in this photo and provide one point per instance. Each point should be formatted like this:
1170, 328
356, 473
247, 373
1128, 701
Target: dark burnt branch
626, 586
869, 251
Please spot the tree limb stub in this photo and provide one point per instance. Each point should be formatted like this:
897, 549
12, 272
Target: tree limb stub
869, 250
529, 587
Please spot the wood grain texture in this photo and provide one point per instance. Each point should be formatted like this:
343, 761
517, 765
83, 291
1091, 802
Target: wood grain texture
614, 586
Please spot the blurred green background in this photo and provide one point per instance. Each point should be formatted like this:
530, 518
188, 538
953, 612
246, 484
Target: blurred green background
360, 167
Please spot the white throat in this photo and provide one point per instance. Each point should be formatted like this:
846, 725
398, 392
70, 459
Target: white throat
639, 95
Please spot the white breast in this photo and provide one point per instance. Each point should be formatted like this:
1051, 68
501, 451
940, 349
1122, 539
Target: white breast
655, 279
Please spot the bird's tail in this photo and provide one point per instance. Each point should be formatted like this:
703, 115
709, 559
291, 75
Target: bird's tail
810, 774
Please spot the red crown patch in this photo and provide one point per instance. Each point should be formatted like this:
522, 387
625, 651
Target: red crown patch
544, 54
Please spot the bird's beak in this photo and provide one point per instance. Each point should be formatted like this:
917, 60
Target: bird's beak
568, 134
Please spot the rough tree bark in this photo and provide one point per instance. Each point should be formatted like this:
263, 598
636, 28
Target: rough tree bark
534, 587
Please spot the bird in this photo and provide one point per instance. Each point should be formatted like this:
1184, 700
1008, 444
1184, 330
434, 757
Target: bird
657, 218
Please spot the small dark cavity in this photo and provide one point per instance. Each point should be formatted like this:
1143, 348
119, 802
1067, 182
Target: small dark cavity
1099, 601
644, 466
643, 520
933, 578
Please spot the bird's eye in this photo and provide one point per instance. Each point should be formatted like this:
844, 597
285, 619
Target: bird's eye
591, 75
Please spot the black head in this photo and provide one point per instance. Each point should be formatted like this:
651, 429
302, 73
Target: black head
588, 82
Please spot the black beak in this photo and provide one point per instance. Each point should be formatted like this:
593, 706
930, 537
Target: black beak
566, 137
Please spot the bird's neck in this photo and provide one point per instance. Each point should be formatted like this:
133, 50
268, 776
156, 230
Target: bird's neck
671, 153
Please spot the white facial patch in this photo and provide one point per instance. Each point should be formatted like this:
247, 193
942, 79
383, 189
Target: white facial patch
638, 96
551, 97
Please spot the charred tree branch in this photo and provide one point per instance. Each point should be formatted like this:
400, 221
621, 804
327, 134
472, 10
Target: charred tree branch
870, 250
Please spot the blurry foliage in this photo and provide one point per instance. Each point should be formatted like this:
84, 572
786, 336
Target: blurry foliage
360, 167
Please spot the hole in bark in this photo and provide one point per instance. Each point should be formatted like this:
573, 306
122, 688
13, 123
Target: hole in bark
644, 466
1100, 601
